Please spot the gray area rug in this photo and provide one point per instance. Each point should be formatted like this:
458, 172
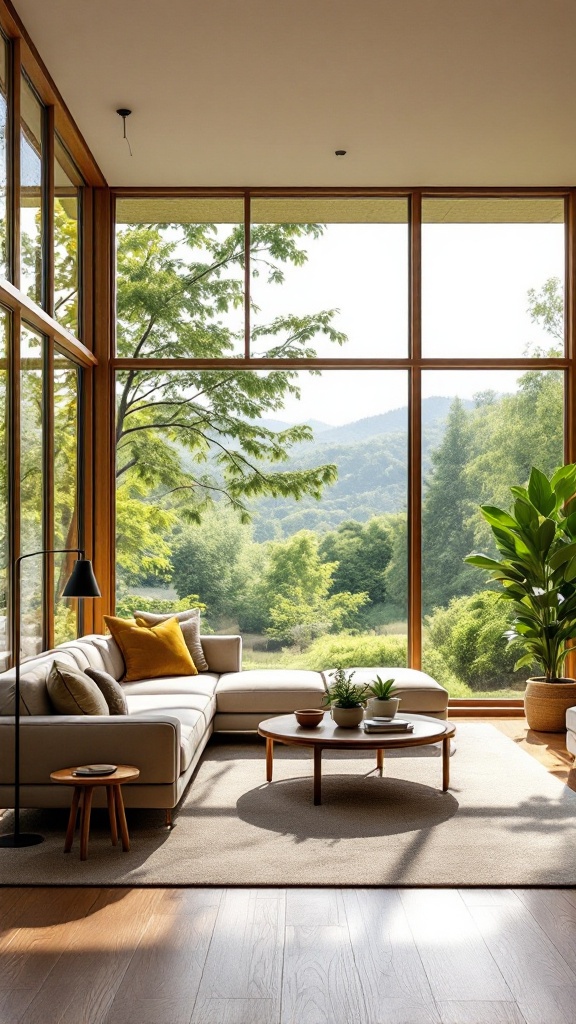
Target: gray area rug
504, 821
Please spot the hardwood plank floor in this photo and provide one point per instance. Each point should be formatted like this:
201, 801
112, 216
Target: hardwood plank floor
297, 956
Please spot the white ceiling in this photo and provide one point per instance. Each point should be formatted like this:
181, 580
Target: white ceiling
261, 92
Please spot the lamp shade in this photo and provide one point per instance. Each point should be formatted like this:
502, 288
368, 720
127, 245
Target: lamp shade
82, 581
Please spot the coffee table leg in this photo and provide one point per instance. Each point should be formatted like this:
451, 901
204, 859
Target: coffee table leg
269, 758
380, 761
445, 763
85, 826
317, 775
122, 818
72, 820
112, 815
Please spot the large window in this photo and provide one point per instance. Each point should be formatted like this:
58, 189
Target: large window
31, 194
288, 501
66, 505
31, 488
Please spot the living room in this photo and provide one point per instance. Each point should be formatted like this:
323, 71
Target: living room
287, 303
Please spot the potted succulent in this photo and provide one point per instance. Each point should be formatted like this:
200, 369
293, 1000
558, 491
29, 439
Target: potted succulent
346, 700
382, 703
537, 570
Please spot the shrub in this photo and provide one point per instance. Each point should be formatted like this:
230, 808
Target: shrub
355, 651
466, 640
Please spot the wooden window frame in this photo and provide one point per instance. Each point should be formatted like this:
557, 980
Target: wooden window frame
414, 363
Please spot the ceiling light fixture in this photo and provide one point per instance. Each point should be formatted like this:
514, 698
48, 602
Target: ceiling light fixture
123, 112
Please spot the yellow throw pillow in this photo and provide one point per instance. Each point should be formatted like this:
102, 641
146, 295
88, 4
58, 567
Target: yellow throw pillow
151, 651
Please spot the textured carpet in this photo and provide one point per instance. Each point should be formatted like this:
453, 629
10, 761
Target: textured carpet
504, 821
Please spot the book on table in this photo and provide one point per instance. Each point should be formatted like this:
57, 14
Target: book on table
387, 725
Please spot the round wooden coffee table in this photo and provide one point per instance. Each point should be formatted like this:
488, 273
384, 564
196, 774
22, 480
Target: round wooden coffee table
328, 735
84, 786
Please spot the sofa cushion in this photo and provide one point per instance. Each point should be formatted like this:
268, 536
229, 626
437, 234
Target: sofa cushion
34, 699
204, 682
269, 690
177, 705
571, 719
111, 691
151, 650
73, 693
418, 692
189, 622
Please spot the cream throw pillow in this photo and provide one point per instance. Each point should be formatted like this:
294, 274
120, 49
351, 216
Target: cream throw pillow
73, 693
189, 622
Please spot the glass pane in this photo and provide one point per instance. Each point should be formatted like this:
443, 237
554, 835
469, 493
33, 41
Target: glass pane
66, 220
491, 269
180, 277
277, 500
5, 324
31, 490
329, 277
482, 432
66, 385
31, 193
4, 268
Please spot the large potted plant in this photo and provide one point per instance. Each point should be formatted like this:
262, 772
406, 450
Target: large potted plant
346, 700
537, 570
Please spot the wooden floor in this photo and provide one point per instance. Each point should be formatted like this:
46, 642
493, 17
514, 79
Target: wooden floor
295, 956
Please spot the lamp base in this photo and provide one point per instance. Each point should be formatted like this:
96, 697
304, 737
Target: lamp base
23, 839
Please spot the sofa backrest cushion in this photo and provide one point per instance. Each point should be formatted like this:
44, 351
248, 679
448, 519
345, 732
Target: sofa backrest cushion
73, 693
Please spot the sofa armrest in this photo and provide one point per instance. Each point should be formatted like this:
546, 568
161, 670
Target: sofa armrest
223, 653
50, 742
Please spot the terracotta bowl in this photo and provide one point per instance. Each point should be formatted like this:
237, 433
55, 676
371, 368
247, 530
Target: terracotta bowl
310, 717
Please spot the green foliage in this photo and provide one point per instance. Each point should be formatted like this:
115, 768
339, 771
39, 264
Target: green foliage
466, 641
537, 540
361, 552
216, 560
355, 651
343, 693
297, 588
382, 688
132, 603
186, 438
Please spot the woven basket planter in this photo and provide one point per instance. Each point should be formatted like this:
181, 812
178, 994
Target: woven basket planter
546, 704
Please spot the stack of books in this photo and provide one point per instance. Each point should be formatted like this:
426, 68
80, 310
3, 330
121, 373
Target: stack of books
387, 725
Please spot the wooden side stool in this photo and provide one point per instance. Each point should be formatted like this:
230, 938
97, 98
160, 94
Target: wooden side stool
84, 786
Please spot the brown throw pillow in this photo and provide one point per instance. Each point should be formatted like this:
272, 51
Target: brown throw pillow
111, 691
189, 622
73, 693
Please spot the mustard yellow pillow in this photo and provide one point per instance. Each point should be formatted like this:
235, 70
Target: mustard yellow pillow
151, 651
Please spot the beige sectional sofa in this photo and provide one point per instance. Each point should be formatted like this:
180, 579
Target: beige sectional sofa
170, 718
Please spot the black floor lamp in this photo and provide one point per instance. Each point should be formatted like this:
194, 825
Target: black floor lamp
81, 583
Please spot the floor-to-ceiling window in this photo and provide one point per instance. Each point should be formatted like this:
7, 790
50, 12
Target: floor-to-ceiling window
321, 393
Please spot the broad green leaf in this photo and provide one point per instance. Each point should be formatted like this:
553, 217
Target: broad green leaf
562, 555
525, 513
540, 492
483, 562
523, 662
570, 573
498, 516
546, 535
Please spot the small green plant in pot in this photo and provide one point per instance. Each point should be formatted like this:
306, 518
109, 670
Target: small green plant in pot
346, 699
382, 704
537, 570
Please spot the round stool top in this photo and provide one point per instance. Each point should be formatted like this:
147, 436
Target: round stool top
123, 773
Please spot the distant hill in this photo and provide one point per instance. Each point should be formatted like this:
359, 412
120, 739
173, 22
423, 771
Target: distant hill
371, 456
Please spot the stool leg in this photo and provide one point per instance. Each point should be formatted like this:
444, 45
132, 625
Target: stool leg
112, 815
122, 818
85, 826
72, 820
269, 758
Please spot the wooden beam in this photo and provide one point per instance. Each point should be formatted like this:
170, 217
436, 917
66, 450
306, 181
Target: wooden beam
41, 321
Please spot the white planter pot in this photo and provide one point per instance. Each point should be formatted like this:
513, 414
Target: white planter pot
377, 708
347, 718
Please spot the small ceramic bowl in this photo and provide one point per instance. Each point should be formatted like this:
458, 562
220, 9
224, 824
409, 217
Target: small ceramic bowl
310, 717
